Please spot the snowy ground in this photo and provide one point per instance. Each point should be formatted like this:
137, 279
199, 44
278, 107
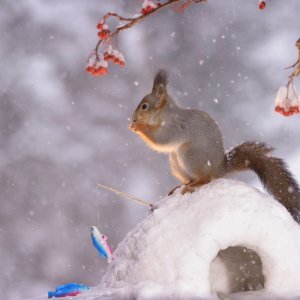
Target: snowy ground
183, 249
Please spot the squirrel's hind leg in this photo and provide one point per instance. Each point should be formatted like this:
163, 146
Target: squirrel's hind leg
176, 187
191, 187
173, 190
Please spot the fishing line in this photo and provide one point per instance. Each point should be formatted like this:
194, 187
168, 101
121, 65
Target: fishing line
98, 208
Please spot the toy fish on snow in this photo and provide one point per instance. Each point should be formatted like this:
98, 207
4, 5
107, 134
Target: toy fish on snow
70, 289
100, 243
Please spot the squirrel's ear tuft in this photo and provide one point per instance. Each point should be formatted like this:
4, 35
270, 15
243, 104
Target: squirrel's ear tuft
161, 77
160, 87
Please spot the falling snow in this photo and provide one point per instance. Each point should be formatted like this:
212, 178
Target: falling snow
63, 131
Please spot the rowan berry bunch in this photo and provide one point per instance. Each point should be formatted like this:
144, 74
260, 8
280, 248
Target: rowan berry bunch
287, 100
97, 64
106, 50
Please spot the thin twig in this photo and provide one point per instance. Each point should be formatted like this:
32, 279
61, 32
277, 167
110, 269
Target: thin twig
295, 72
134, 21
292, 66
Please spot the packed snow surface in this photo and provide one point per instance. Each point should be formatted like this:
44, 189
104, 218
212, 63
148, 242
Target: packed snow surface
171, 253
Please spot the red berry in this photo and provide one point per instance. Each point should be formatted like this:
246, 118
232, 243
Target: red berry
89, 69
262, 4
278, 109
106, 56
103, 34
101, 71
149, 9
96, 73
100, 26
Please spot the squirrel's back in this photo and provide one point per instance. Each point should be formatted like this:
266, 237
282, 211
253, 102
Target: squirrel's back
203, 129
205, 140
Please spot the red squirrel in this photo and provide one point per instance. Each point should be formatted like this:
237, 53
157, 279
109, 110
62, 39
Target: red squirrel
194, 143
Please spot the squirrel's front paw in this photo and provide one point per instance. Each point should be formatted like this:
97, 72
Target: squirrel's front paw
187, 189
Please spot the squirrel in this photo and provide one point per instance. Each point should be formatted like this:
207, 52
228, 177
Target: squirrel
194, 143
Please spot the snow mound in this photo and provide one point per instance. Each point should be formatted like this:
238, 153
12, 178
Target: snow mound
171, 254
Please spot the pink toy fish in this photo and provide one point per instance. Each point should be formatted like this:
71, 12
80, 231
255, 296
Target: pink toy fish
100, 243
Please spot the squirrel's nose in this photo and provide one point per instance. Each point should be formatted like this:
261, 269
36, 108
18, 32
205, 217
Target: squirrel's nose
132, 124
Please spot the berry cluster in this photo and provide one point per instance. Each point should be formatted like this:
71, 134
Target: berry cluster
97, 65
98, 62
104, 31
287, 112
115, 56
287, 102
148, 6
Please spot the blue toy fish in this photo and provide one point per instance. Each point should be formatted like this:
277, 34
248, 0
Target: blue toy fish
70, 289
100, 243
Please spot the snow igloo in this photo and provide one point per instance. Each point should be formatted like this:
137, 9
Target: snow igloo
225, 238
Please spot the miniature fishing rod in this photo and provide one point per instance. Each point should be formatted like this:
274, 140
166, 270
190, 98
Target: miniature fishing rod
140, 201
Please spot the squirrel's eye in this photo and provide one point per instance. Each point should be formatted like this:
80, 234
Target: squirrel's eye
145, 106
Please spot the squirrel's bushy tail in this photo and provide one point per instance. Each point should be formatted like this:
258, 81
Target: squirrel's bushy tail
272, 171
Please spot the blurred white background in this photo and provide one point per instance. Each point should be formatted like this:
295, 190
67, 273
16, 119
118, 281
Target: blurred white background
62, 130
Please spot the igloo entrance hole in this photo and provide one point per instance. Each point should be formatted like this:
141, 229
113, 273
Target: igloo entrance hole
236, 269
